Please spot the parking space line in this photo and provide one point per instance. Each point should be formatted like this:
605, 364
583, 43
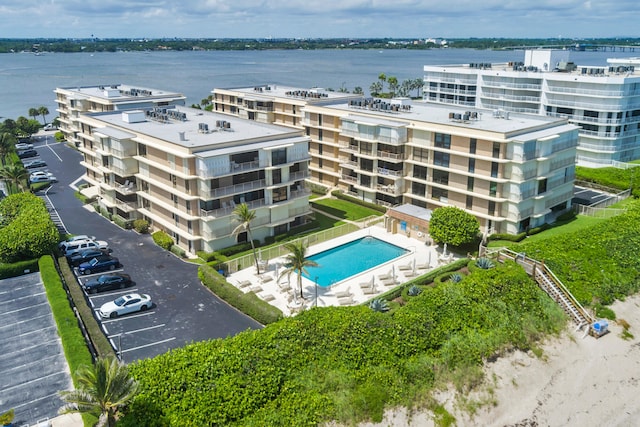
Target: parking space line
18, 288
148, 345
23, 349
137, 330
26, 308
11, 325
24, 365
126, 316
36, 330
106, 294
52, 150
34, 380
49, 396
26, 296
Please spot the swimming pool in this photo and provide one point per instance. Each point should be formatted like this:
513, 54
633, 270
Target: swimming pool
350, 259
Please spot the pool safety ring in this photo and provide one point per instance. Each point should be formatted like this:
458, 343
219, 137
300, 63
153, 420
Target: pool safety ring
419, 233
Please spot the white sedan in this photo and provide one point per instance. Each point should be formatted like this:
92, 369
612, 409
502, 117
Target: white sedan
125, 304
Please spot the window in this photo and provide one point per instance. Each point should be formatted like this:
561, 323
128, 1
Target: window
472, 165
469, 202
443, 140
542, 186
493, 189
441, 159
441, 177
470, 182
420, 154
420, 172
472, 145
418, 189
277, 175
188, 205
492, 208
319, 134
496, 150
494, 170
320, 163
279, 194
439, 194
278, 156
319, 120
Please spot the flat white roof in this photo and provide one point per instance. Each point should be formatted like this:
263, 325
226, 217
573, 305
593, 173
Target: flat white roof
307, 95
171, 130
125, 92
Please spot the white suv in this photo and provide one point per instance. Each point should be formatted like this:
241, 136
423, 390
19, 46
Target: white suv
70, 248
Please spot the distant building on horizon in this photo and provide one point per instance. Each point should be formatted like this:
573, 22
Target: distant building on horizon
604, 101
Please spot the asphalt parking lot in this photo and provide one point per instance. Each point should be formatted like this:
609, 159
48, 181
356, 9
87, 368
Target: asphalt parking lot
184, 311
587, 196
33, 368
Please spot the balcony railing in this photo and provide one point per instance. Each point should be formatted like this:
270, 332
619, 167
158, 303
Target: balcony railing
388, 155
238, 188
349, 178
228, 208
126, 206
385, 171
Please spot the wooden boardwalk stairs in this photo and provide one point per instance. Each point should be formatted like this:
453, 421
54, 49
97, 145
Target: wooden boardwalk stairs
549, 283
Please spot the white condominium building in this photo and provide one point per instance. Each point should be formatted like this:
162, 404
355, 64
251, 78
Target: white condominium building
74, 101
185, 170
510, 171
604, 101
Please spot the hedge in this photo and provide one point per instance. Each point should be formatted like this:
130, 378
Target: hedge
340, 195
121, 222
100, 342
162, 239
248, 303
73, 343
18, 268
509, 237
236, 249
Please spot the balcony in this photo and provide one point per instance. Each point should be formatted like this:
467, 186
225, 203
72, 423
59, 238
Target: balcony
129, 187
388, 189
390, 156
350, 179
232, 169
389, 172
238, 188
228, 208
126, 206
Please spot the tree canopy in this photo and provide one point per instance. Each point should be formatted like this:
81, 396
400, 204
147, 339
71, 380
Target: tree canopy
453, 225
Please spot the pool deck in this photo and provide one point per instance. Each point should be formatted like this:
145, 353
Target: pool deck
357, 289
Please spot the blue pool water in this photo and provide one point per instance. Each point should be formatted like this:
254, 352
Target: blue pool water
351, 258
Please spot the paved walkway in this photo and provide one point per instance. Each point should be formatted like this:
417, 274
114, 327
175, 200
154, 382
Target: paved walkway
355, 290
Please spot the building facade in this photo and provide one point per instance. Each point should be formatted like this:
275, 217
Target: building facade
74, 101
185, 171
604, 101
511, 172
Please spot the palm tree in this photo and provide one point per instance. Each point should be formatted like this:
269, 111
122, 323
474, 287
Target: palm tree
34, 112
383, 78
15, 174
244, 216
297, 262
7, 142
375, 88
43, 112
102, 389
393, 84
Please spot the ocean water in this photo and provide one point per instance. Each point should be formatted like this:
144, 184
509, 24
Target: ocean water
27, 80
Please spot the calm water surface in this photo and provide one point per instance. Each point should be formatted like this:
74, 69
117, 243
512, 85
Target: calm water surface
28, 81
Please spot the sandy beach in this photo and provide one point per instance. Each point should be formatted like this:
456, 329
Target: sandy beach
577, 382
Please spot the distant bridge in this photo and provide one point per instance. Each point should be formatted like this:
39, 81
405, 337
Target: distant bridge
580, 47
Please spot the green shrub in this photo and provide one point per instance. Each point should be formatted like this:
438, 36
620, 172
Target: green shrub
177, 250
162, 239
141, 226
85, 200
567, 216
484, 263
239, 248
379, 305
121, 222
540, 229
206, 256
103, 211
509, 237
73, 343
18, 268
269, 240
248, 303
414, 291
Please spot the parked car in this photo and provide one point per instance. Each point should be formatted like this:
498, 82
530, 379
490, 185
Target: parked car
71, 248
99, 264
24, 146
34, 164
76, 237
75, 259
38, 179
50, 126
36, 174
107, 282
25, 154
125, 304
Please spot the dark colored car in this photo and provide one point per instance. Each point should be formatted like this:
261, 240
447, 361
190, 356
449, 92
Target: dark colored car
107, 282
75, 259
33, 164
98, 264
23, 154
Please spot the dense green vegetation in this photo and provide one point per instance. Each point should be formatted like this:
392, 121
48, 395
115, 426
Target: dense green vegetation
453, 225
598, 263
27, 230
114, 45
345, 363
615, 178
344, 209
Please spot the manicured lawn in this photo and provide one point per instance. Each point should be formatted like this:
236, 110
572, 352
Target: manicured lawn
344, 209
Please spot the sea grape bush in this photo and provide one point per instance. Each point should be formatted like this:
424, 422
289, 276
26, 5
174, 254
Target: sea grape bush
339, 363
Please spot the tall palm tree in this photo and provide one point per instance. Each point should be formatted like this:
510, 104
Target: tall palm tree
382, 77
14, 174
244, 216
297, 262
43, 112
7, 142
102, 389
34, 112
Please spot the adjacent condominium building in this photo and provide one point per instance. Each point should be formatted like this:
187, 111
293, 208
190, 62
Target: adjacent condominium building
185, 170
74, 101
510, 171
604, 101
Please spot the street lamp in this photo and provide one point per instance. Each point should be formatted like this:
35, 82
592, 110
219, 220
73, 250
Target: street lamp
316, 283
120, 346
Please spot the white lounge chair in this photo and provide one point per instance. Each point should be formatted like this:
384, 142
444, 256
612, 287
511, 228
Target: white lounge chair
388, 276
411, 273
244, 284
266, 278
345, 301
365, 285
343, 294
267, 297
424, 266
255, 289
388, 282
406, 267
370, 291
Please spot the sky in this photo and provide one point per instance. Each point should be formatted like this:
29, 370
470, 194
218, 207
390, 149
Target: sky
411, 19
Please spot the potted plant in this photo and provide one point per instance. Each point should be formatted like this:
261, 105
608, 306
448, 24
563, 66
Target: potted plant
7, 417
